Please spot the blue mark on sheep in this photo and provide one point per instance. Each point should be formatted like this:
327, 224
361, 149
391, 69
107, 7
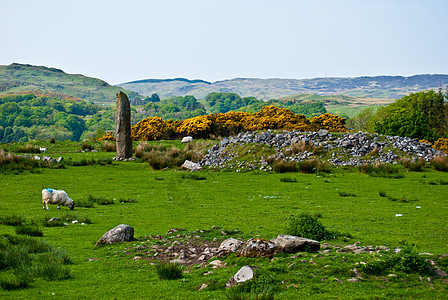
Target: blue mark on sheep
50, 190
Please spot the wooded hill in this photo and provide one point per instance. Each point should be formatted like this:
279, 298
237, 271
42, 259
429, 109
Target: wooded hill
17, 78
392, 87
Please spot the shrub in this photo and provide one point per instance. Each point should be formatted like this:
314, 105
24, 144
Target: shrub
108, 146
308, 226
283, 166
441, 144
109, 136
14, 163
382, 193
149, 129
314, 165
87, 147
141, 149
379, 169
440, 163
415, 166
197, 127
52, 140
29, 230
169, 271
300, 146
407, 260
28, 148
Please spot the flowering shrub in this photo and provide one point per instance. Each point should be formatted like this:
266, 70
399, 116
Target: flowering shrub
149, 129
197, 126
441, 144
109, 136
330, 122
229, 123
269, 117
272, 117
425, 142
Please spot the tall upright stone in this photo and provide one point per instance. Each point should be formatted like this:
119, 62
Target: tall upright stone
123, 126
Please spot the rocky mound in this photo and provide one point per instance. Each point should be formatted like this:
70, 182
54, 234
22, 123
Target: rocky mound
340, 149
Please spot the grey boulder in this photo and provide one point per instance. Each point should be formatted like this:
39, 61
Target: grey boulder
294, 244
121, 233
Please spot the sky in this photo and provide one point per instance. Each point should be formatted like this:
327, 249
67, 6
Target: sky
122, 41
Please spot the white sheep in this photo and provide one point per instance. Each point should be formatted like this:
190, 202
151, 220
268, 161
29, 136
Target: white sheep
59, 197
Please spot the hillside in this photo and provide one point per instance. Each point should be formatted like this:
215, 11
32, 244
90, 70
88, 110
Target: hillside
16, 78
390, 87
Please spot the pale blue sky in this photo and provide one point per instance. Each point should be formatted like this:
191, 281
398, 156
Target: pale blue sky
121, 41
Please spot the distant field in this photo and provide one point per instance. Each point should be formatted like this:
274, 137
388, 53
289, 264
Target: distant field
256, 204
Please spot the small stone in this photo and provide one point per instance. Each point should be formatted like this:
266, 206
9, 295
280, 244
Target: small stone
92, 259
244, 274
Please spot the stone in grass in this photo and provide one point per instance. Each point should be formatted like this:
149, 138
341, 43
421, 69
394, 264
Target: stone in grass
244, 274
294, 244
228, 246
258, 247
191, 166
121, 233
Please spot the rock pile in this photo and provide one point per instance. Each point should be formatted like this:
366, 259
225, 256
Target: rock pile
343, 149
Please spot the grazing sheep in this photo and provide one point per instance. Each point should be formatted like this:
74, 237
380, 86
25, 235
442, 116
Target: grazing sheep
59, 197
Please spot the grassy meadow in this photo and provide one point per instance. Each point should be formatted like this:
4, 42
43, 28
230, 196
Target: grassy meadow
362, 207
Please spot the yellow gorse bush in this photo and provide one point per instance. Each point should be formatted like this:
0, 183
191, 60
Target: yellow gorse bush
269, 117
197, 126
441, 144
109, 136
328, 121
149, 129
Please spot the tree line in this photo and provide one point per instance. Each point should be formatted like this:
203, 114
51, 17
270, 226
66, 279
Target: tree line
421, 115
27, 117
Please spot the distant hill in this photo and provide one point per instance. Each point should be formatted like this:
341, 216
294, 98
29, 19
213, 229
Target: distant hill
390, 87
17, 78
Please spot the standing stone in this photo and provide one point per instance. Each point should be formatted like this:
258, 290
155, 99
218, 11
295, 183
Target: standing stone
123, 126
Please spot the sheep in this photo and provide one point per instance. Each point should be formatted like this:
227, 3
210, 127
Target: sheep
42, 149
59, 197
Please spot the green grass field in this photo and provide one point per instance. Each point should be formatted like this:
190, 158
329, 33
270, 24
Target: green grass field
256, 204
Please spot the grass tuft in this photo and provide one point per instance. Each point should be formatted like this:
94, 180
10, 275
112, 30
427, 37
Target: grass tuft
168, 270
440, 163
29, 230
12, 220
193, 176
346, 194
288, 179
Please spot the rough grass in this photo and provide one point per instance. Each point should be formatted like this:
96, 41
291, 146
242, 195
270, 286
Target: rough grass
256, 204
